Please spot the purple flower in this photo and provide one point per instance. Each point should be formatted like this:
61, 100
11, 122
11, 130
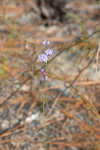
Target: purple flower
44, 73
44, 77
43, 58
42, 70
46, 42
49, 52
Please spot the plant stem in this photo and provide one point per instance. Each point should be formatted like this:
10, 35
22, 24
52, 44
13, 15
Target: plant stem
44, 123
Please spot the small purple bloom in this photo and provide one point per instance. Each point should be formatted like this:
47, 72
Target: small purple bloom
42, 79
43, 58
46, 42
49, 52
42, 70
44, 73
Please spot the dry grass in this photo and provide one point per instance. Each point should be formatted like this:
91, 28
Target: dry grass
72, 120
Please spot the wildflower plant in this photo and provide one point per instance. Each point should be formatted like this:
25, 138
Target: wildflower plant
44, 57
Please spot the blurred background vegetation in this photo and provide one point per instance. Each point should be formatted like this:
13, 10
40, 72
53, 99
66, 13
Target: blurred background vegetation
72, 91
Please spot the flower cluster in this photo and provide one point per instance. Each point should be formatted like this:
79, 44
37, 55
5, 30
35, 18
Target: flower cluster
46, 42
44, 77
44, 57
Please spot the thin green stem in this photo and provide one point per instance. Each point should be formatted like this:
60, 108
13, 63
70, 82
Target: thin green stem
44, 122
